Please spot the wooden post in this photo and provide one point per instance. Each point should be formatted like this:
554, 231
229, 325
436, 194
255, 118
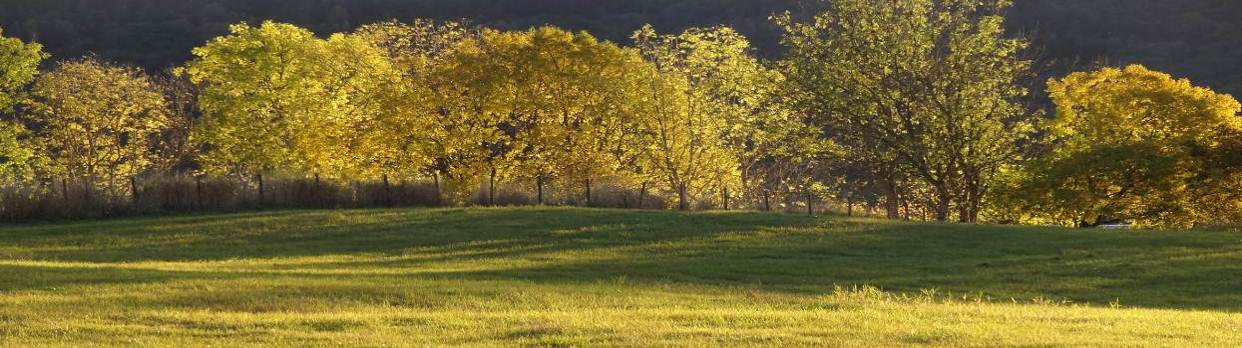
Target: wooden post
726, 197
810, 205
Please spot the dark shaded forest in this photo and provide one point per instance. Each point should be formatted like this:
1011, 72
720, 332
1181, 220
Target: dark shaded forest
1198, 39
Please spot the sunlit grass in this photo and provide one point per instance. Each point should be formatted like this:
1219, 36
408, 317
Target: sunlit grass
571, 277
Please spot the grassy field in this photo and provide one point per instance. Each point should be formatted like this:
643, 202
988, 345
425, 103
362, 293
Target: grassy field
569, 277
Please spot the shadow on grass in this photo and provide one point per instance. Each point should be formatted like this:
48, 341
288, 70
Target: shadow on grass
780, 253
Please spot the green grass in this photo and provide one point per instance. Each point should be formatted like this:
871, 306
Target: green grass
571, 277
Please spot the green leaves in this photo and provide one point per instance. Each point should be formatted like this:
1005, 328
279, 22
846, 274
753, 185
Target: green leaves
923, 89
1137, 144
19, 64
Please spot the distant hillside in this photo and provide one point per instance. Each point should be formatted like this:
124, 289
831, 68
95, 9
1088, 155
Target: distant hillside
1200, 39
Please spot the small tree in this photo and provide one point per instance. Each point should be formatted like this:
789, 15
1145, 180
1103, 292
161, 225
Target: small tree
1136, 144
925, 89
97, 121
409, 138
703, 91
19, 65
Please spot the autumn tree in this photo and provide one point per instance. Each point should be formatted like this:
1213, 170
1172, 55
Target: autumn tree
276, 97
412, 136
1137, 144
574, 113
19, 64
255, 90
97, 122
542, 104
769, 140
923, 89
696, 106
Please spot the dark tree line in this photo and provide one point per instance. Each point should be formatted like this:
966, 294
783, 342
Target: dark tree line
1198, 39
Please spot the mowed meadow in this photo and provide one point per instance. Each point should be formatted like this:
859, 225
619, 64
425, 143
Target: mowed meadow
566, 277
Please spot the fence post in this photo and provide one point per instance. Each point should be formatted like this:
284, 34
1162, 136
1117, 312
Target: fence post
810, 206
726, 197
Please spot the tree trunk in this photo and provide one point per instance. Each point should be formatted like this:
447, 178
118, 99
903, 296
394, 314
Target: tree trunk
261, 190
682, 205
973, 197
133, 188
642, 195
976, 199
767, 200
891, 198
963, 213
539, 187
943, 203
491, 190
387, 192
905, 206
588, 192
725, 198
810, 203
435, 177
849, 206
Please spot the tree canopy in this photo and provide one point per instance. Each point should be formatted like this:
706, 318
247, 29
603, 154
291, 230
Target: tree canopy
1137, 144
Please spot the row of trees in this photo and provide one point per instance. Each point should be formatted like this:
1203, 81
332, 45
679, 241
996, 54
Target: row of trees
915, 107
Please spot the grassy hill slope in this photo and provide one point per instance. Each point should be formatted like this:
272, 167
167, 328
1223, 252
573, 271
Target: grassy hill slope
571, 277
